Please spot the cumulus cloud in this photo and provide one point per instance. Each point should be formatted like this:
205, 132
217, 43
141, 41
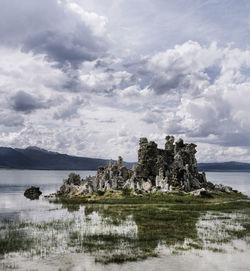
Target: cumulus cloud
60, 30
183, 68
105, 82
196, 107
96, 22
26, 71
203, 109
79, 77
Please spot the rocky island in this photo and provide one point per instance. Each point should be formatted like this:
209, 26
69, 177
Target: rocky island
171, 169
32, 193
163, 206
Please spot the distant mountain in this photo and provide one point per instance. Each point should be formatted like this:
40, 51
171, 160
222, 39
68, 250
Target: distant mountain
36, 158
225, 166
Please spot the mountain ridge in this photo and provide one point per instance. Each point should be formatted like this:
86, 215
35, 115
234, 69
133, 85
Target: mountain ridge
224, 166
34, 157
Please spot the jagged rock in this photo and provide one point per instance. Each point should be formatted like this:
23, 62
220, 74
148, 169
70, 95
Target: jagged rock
32, 193
173, 168
195, 183
68, 184
161, 182
222, 188
201, 192
146, 186
210, 186
169, 146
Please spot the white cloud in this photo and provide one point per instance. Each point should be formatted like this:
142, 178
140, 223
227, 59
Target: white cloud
21, 70
96, 22
92, 80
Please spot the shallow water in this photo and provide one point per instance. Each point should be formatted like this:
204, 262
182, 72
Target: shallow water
77, 237
13, 184
238, 180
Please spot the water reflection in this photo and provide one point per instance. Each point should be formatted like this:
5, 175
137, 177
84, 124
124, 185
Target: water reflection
120, 233
73, 237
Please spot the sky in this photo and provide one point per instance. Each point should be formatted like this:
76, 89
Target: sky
90, 77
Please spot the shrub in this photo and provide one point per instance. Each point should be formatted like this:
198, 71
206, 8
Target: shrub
126, 191
100, 193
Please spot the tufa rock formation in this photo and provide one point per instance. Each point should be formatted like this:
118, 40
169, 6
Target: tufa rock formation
32, 193
173, 168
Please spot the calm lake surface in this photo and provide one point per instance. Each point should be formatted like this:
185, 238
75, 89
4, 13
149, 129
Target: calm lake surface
61, 232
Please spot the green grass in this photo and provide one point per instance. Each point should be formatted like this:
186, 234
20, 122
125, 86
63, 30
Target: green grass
166, 219
124, 257
15, 240
126, 196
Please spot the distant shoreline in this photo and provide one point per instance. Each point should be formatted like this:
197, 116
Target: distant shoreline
36, 169
33, 158
206, 170
227, 170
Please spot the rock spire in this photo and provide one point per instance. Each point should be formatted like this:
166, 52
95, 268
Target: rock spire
169, 169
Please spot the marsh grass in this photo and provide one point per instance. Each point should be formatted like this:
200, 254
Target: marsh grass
114, 248
126, 196
124, 257
15, 240
178, 221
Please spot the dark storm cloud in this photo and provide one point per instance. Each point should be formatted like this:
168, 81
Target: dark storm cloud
48, 27
24, 102
65, 48
11, 120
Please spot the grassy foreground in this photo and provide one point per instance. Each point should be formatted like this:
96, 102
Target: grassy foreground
127, 196
132, 227
171, 219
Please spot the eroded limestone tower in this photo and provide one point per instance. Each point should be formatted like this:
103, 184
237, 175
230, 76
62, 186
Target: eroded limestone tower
171, 168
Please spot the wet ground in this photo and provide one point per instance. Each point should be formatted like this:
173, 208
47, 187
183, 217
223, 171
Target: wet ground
172, 235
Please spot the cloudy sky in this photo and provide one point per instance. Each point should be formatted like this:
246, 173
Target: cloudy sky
90, 77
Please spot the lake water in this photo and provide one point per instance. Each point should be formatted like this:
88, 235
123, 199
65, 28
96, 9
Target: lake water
72, 237
238, 180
